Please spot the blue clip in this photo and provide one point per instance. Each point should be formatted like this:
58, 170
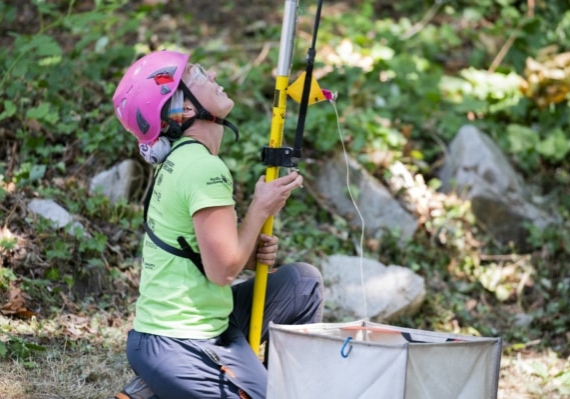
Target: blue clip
345, 349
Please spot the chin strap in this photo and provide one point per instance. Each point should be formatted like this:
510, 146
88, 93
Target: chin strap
175, 130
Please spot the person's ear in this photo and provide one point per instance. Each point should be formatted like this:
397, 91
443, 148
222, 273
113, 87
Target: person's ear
189, 110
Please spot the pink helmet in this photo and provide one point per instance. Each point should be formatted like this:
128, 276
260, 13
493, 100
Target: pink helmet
144, 89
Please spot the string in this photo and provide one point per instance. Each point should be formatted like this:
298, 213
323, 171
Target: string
360, 248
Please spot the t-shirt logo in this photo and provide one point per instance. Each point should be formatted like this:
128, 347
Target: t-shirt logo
220, 179
168, 165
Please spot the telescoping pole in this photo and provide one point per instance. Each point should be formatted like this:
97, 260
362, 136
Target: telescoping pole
272, 172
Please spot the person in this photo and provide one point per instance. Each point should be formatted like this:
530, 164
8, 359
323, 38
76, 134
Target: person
191, 320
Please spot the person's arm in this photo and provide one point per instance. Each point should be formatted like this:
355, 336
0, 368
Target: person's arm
225, 248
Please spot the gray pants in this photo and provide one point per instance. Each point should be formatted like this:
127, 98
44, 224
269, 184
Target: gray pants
225, 366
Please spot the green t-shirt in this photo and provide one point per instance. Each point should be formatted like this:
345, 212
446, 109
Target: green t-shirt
176, 299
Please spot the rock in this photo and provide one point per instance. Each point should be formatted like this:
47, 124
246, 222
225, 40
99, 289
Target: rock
376, 291
57, 214
116, 183
478, 171
380, 211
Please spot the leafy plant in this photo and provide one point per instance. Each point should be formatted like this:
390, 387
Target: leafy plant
19, 349
37, 71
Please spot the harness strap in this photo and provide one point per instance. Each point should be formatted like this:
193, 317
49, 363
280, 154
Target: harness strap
185, 250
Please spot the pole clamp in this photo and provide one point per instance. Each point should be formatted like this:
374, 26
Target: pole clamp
282, 156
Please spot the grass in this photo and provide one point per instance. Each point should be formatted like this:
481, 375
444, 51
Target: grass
79, 361
68, 374
92, 365
534, 375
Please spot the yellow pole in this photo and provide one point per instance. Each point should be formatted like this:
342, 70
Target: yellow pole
272, 172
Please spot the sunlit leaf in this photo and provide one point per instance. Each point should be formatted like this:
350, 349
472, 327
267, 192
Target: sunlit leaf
9, 110
521, 138
555, 146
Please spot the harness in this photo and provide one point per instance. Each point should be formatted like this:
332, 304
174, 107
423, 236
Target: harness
185, 250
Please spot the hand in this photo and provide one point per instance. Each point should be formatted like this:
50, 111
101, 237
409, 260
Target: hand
267, 249
270, 197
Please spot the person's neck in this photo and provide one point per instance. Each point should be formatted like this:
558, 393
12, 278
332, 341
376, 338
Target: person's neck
208, 133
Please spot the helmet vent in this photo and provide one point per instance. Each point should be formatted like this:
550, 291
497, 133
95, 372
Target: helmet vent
163, 75
142, 123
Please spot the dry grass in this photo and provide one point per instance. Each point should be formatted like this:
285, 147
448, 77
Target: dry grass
80, 360
94, 366
534, 375
98, 375
65, 375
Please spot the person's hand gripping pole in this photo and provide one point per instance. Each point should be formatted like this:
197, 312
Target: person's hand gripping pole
272, 172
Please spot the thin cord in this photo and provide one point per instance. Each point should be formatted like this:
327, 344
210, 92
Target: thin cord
361, 244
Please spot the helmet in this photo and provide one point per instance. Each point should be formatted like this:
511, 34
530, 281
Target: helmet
144, 90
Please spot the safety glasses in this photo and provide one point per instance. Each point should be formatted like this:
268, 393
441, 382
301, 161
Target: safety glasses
198, 74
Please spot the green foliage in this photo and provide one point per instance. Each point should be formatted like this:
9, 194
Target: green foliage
76, 262
310, 242
7, 243
19, 349
408, 86
56, 96
6, 275
29, 173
